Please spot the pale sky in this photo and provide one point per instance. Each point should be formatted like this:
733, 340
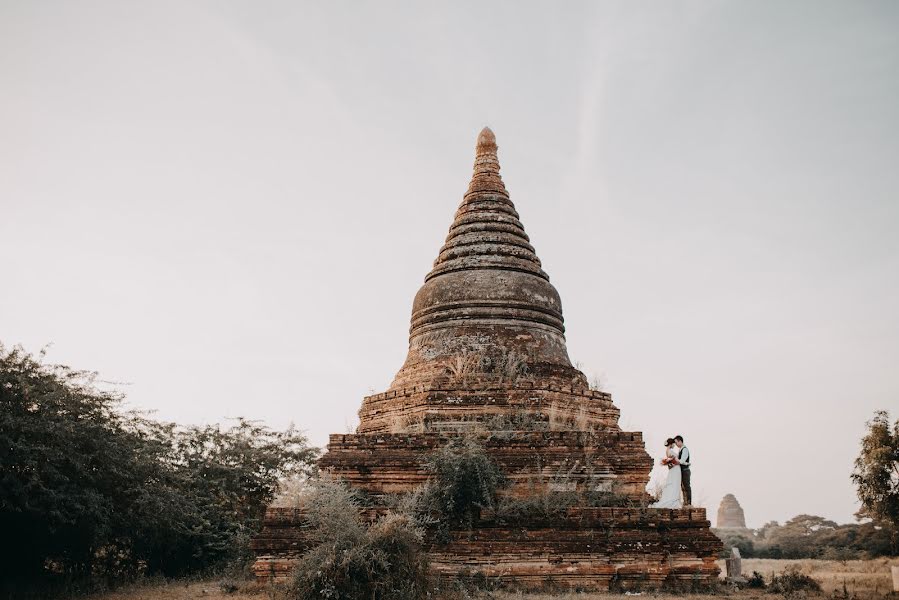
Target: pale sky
228, 207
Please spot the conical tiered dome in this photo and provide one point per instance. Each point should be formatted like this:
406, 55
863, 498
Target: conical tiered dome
487, 233
487, 294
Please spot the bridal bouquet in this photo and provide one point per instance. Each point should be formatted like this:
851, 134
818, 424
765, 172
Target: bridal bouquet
670, 461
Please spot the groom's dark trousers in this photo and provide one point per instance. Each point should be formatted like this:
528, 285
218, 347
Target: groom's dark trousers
685, 486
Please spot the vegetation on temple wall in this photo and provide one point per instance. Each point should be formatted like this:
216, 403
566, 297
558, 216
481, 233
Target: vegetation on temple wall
504, 366
548, 505
465, 484
90, 493
464, 481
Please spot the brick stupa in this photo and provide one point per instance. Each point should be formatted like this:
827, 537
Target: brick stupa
730, 514
487, 357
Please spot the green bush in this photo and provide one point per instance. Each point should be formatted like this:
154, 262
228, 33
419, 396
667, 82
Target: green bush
792, 581
756, 581
464, 481
91, 493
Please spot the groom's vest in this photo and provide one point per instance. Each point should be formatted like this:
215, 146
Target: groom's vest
690, 458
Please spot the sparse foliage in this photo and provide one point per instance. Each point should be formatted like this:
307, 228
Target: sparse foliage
291, 492
548, 506
350, 559
518, 420
505, 366
333, 510
464, 481
510, 365
876, 474
462, 367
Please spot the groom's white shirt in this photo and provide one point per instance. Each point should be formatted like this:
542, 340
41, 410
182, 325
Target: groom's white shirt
684, 457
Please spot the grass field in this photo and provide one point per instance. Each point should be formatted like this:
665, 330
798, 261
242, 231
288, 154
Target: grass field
863, 579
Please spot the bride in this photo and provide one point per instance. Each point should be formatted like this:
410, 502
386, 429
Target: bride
670, 496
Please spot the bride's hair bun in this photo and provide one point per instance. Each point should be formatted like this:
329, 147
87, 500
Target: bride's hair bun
669, 441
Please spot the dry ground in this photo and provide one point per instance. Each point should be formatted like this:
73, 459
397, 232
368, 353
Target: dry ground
188, 590
863, 579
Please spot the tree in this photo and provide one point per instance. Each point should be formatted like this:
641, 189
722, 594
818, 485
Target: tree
72, 467
89, 490
876, 474
229, 476
798, 537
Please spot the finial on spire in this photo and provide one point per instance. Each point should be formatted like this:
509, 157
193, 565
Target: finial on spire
486, 142
486, 166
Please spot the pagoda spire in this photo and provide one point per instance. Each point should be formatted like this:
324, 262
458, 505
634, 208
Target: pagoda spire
486, 232
486, 178
487, 292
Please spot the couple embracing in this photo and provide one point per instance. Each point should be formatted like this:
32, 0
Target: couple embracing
677, 459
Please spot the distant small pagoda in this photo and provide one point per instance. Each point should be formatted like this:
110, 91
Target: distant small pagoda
486, 352
730, 514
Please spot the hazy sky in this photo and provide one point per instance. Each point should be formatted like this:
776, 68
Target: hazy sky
228, 206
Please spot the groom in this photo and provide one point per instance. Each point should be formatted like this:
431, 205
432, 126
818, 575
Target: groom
683, 458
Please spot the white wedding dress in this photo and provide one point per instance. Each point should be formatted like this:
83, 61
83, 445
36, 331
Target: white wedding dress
671, 494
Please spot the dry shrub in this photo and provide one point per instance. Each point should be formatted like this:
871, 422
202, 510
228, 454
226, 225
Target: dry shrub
510, 366
349, 559
755, 581
291, 493
863, 578
582, 420
549, 506
556, 418
463, 366
385, 562
654, 489
406, 424
518, 420
504, 366
562, 420
792, 581
333, 511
